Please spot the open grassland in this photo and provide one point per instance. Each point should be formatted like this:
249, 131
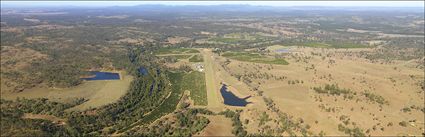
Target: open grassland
218, 126
240, 89
276, 47
196, 58
329, 45
213, 95
253, 57
98, 93
176, 56
332, 89
195, 83
175, 51
180, 54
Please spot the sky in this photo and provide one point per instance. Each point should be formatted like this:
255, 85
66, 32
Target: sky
260, 3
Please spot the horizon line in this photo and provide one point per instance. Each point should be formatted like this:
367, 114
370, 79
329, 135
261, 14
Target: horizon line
357, 4
106, 6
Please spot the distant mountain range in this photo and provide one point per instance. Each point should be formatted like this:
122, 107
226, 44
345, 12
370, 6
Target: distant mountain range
236, 7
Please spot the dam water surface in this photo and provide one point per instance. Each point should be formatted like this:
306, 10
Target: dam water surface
103, 76
231, 99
